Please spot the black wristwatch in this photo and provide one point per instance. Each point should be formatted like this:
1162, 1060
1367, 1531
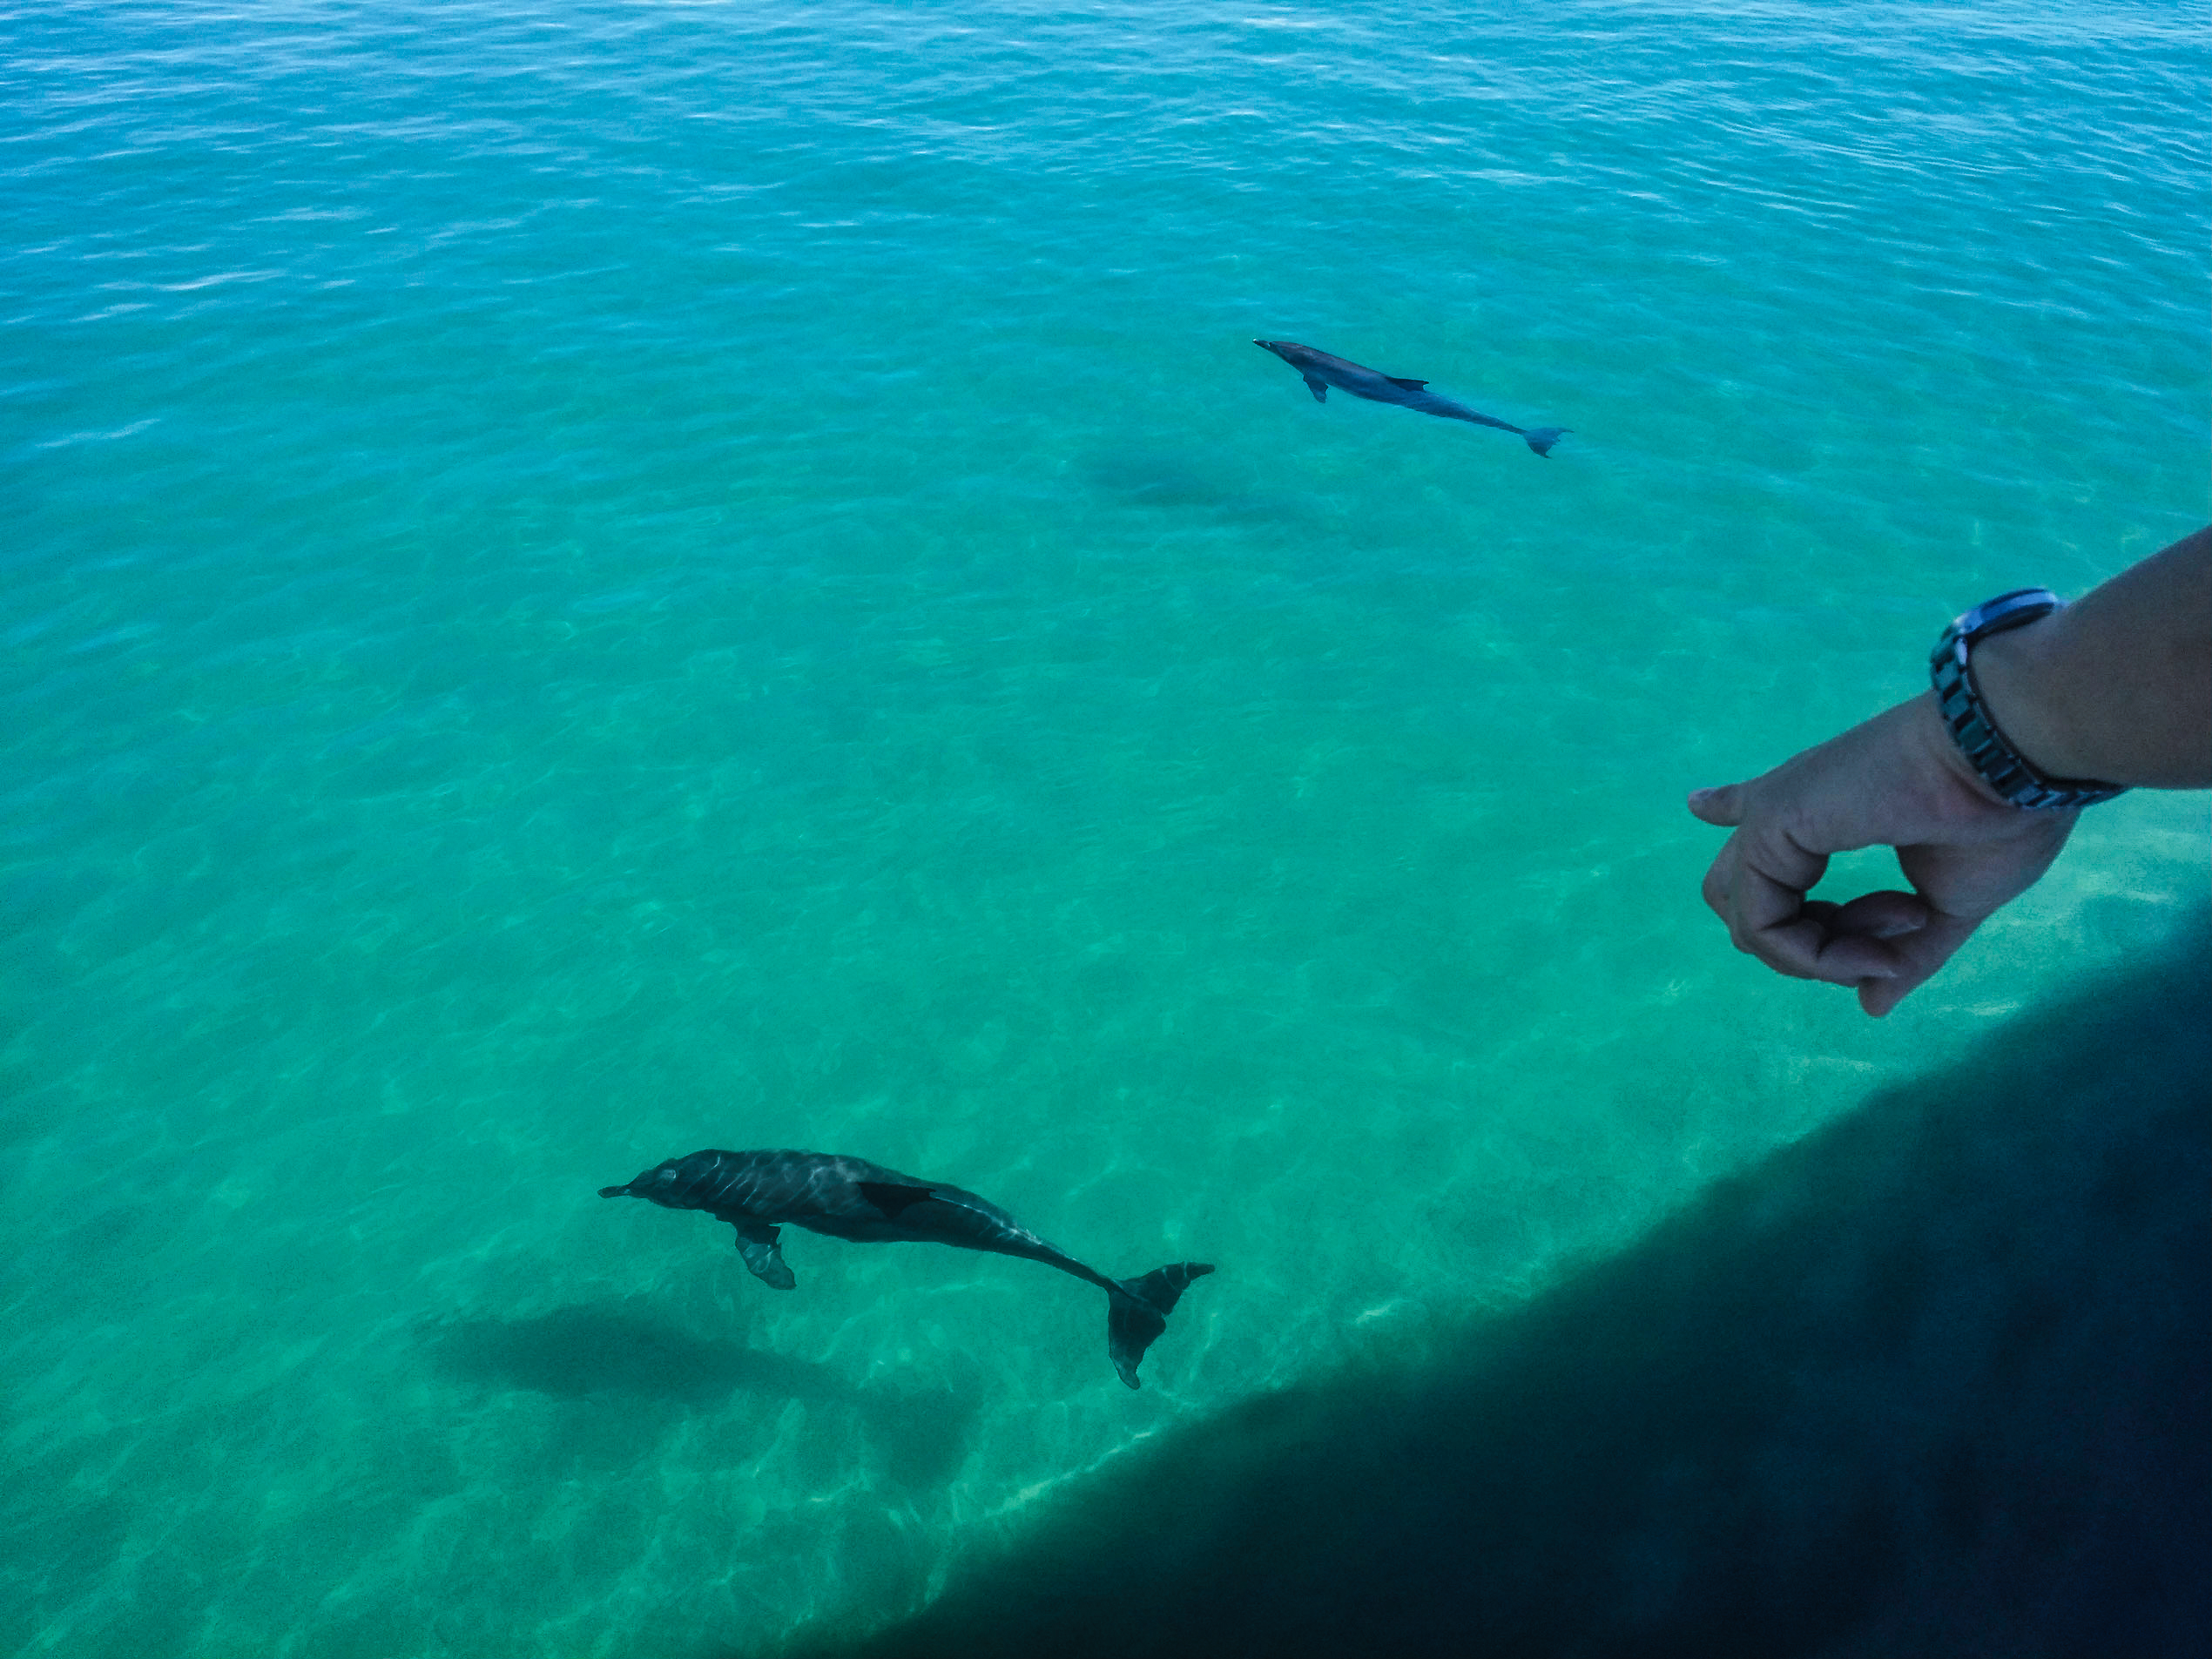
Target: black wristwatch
1998, 763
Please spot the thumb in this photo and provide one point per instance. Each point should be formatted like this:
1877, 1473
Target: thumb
1723, 806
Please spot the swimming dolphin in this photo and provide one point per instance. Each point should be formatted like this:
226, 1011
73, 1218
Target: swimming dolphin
1323, 371
865, 1204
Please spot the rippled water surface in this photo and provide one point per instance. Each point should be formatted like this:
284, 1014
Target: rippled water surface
584, 581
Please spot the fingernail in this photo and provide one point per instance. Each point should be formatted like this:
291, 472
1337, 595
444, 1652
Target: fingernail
1696, 795
1898, 929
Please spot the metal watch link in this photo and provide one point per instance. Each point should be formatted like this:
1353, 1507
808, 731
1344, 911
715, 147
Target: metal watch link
1999, 765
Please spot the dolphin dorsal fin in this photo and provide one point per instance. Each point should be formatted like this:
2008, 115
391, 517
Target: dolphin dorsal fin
1411, 386
890, 1198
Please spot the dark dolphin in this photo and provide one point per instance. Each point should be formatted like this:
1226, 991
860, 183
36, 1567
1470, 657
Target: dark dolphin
865, 1204
1323, 371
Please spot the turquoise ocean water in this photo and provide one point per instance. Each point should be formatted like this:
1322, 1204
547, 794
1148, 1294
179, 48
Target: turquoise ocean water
585, 581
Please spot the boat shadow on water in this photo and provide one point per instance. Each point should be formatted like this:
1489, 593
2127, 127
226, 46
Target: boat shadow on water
1933, 1379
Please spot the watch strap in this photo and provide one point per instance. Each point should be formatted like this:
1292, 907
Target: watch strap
1993, 758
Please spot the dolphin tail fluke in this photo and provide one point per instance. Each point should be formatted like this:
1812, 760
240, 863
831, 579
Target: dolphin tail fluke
1540, 438
1137, 1310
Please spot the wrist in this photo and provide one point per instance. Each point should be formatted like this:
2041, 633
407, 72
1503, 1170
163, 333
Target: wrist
2017, 673
1994, 753
1941, 756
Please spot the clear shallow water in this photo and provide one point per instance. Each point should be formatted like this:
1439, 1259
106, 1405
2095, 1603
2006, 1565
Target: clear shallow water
593, 581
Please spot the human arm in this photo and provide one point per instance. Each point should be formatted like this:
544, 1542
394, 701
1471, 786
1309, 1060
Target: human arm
2117, 687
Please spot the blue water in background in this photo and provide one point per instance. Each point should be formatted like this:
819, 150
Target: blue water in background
585, 581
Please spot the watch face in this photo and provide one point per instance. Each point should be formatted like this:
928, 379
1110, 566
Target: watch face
2013, 610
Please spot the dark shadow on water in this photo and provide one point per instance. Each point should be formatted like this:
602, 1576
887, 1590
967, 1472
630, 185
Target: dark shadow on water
630, 1373
619, 1348
1176, 482
1933, 1381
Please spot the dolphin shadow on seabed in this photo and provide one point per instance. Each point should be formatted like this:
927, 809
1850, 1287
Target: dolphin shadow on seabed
623, 1358
1167, 480
1933, 1381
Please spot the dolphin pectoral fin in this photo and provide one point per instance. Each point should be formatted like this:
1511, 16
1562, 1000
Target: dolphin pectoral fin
1319, 388
1137, 1310
757, 1244
890, 1198
1411, 386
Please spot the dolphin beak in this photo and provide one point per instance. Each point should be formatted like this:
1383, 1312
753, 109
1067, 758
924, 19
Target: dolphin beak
622, 1192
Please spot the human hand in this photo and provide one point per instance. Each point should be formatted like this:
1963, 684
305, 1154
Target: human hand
1898, 780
